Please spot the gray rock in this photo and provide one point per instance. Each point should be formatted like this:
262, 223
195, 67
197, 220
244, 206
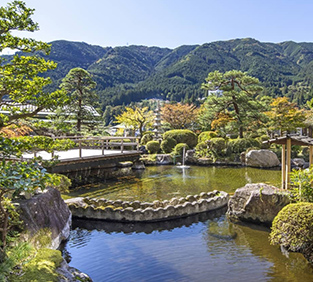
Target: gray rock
164, 159
46, 211
71, 274
138, 165
299, 162
262, 158
257, 203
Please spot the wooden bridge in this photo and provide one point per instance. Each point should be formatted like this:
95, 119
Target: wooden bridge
99, 157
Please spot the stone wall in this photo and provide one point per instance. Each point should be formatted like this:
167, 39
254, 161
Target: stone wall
136, 211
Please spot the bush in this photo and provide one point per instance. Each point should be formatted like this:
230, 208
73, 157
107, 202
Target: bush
146, 138
206, 135
202, 149
153, 147
179, 148
241, 145
301, 183
182, 136
168, 145
292, 227
217, 145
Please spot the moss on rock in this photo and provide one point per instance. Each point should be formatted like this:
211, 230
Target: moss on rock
42, 267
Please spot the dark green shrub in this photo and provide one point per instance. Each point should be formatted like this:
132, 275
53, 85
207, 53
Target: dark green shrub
202, 149
153, 147
217, 144
206, 135
179, 148
146, 138
241, 145
182, 136
292, 228
168, 145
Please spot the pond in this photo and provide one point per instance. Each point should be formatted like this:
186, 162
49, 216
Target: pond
166, 182
204, 247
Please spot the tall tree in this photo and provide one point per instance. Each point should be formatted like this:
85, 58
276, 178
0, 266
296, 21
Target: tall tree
233, 93
20, 82
179, 115
138, 118
285, 115
79, 84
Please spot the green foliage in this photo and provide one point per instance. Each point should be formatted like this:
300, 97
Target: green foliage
261, 139
182, 136
146, 138
202, 149
242, 144
217, 145
293, 227
42, 267
206, 135
179, 149
235, 103
302, 185
78, 83
168, 144
21, 79
153, 147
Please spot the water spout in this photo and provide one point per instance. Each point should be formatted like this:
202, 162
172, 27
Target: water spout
184, 156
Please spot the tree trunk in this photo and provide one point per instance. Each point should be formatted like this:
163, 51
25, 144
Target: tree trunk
79, 114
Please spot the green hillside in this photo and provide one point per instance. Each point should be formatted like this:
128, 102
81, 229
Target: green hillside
131, 73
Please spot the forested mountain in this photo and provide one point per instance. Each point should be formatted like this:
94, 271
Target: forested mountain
131, 73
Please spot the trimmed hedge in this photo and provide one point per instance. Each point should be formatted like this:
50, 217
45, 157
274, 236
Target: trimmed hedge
179, 148
182, 136
241, 144
153, 147
206, 135
168, 145
292, 228
146, 138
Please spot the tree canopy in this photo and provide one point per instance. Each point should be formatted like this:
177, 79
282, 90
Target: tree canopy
78, 83
233, 95
20, 80
179, 115
137, 118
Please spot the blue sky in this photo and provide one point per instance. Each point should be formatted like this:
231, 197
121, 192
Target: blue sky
171, 23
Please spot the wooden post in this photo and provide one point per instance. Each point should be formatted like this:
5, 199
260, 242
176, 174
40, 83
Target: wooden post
288, 163
283, 167
80, 148
107, 144
122, 146
102, 144
311, 154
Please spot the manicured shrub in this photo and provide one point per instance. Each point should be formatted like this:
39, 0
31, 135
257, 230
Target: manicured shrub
146, 138
217, 144
261, 139
168, 145
241, 145
179, 148
206, 135
292, 228
182, 136
153, 147
202, 149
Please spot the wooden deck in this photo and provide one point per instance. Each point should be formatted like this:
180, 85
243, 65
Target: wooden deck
92, 153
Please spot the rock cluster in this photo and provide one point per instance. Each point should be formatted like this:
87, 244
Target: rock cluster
141, 211
257, 203
262, 158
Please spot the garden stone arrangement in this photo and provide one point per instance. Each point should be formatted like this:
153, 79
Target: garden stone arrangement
137, 211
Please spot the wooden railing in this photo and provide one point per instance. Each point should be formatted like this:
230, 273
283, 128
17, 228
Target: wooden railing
103, 143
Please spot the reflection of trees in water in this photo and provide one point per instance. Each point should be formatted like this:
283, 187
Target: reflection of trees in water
241, 241
145, 227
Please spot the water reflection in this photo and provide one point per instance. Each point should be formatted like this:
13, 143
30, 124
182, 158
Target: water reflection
206, 247
164, 182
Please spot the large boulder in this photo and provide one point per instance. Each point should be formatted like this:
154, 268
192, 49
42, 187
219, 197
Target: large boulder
257, 203
45, 214
262, 158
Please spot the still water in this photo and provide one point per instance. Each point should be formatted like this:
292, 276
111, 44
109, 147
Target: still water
166, 182
204, 247
199, 248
